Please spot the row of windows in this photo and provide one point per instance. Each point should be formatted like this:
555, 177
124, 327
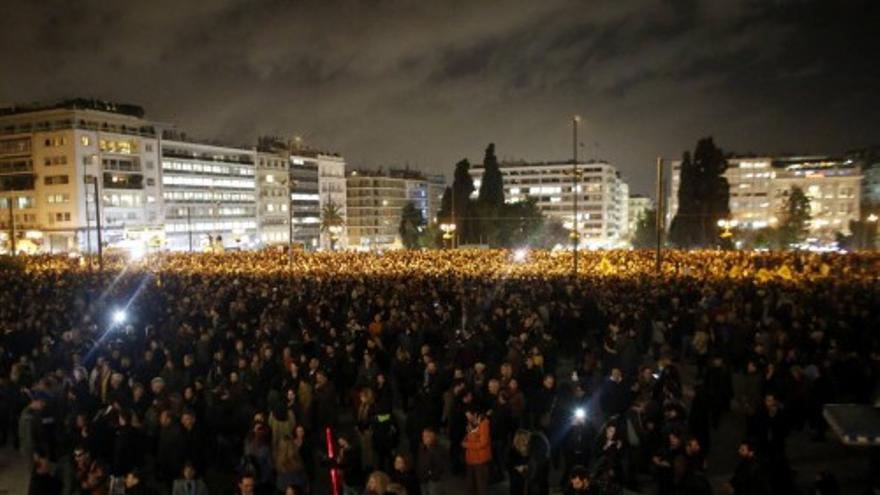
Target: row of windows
121, 146
207, 182
55, 160
15, 146
54, 180
203, 196
54, 142
271, 208
230, 211
21, 202
207, 168
209, 226
61, 216
124, 200
13, 165
57, 198
122, 165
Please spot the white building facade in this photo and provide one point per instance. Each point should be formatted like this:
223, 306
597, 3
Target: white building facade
331, 190
273, 198
52, 158
210, 196
758, 185
602, 196
639, 205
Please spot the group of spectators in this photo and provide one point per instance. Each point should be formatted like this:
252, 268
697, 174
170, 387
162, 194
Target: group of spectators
259, 373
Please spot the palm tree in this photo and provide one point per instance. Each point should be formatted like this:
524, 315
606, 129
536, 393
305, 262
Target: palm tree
332, 222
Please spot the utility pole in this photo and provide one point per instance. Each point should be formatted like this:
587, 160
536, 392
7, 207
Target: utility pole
11, 200
189, 229
98, 224
575, 235
659, 225
292, 183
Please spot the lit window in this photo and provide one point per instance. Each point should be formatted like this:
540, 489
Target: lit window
85, 140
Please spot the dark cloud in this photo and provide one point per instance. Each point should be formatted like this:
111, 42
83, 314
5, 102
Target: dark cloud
425, 83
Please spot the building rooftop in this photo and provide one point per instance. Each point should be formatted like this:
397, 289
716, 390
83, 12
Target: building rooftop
549, 163
392, 173
75, 104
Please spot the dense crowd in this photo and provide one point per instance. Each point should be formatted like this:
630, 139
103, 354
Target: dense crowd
255, 373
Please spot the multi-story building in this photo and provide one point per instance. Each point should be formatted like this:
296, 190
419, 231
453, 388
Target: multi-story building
639, 205
375, 202
832, 185
331, 192
53, 157
436, 188
868, 159
305, 200
758, 185
273, 197
209, 194
602, 196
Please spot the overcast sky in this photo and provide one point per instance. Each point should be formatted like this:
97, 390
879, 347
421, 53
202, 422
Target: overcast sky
429, 82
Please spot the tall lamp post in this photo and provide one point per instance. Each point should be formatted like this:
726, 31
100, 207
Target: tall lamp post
291, 184
575, 192
12, 200
448, 232
93, 180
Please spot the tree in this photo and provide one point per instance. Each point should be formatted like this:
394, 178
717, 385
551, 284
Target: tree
703, 197
519, 224
645, 235
444, 215
492, 186
332, 221
462, 188
794, 217
490, 202
863, 235
412, 224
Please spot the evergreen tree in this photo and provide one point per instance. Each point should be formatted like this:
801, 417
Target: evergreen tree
491, 187
444, 215
645, 235
490, 202
794, 217
703, 197
411, 225
462, 188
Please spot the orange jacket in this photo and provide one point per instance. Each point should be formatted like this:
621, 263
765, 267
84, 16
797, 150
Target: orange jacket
478, 445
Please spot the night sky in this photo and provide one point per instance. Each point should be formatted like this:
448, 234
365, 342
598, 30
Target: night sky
428, 82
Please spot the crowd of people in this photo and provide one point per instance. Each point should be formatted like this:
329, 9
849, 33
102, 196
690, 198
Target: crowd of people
263, 373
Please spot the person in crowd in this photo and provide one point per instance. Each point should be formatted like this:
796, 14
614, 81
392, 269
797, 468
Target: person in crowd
404, 475
431, 463
135, 485
246, 485
377, 483
579, 482
189, 483
43, 481
477, 446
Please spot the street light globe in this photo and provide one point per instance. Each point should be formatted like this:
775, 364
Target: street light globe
520, 255
119, 316
722, 223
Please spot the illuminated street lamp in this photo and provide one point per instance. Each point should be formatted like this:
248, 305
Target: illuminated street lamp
448, 232
872, 217
727, 225
335, 230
